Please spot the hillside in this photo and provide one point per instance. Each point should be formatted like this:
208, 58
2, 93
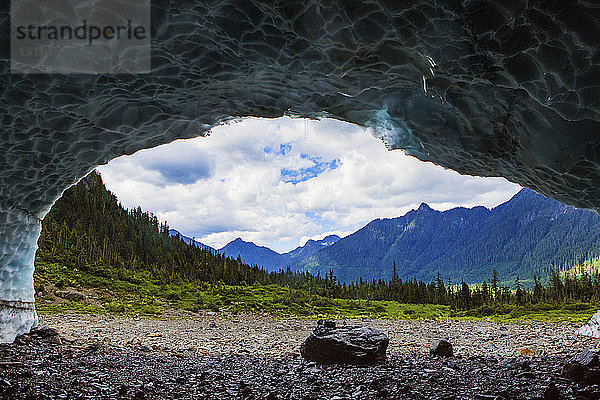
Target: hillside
527, 235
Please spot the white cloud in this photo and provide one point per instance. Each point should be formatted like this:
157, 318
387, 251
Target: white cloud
231, 184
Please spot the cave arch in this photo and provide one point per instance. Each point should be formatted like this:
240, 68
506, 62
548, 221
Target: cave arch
478, 87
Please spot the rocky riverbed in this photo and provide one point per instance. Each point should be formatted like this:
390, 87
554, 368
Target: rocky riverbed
220, 356
221, 334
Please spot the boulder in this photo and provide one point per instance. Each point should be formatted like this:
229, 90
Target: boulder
357, 345
586, 358
441, 348
43, 332
40, 333
574, 372
552, 393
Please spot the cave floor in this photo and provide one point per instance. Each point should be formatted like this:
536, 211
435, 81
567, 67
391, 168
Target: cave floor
134, 358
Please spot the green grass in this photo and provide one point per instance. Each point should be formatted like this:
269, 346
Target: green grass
142, 293
576, 312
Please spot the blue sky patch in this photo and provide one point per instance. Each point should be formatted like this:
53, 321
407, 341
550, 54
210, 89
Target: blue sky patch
284, 149
295, 176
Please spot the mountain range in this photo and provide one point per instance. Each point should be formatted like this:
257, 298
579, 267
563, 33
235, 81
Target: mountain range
253, 254
529, 234
270, 260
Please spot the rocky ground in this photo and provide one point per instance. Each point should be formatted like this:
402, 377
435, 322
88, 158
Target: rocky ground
222, 334
219, 356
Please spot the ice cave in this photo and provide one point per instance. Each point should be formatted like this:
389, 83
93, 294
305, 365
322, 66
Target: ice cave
489, 88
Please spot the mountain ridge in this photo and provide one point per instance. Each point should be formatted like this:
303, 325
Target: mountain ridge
189, 240
529, 234
253, 254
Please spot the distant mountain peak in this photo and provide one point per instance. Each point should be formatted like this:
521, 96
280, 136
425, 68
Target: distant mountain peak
526, 192
424, 207
329, 238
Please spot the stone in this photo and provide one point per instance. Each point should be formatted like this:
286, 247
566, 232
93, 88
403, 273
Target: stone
586, 358
43, 332
441, 348
272, 396
526, 352
123, 390
574, 372
593, 377
357, 345
552, 393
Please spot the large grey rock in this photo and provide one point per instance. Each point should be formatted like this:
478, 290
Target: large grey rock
586, 358
329, 344
442, 348
574, 371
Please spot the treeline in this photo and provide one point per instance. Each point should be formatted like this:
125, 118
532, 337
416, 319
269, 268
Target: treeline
559, 290
88, 228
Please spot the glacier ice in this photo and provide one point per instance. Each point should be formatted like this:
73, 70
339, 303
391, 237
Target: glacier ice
591, 328
18, 243
482, 87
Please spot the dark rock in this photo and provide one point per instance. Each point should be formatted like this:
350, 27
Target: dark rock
442, 348
123, 390
553, 393
591, 392
344, 345
586, 358
593, 377
43, 332
272, 396
245, 391
22, 340
574, 372
525, 365
327, 324
526, 375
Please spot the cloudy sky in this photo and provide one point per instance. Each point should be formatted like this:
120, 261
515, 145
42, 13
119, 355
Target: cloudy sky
280, 182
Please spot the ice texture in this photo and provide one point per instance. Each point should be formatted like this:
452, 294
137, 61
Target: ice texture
485, 88
591, 328
18, 242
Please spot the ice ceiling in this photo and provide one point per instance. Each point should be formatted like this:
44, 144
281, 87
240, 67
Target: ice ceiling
485, 89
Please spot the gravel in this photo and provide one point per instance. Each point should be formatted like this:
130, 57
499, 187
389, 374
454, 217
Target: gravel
222, 334
256, 357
